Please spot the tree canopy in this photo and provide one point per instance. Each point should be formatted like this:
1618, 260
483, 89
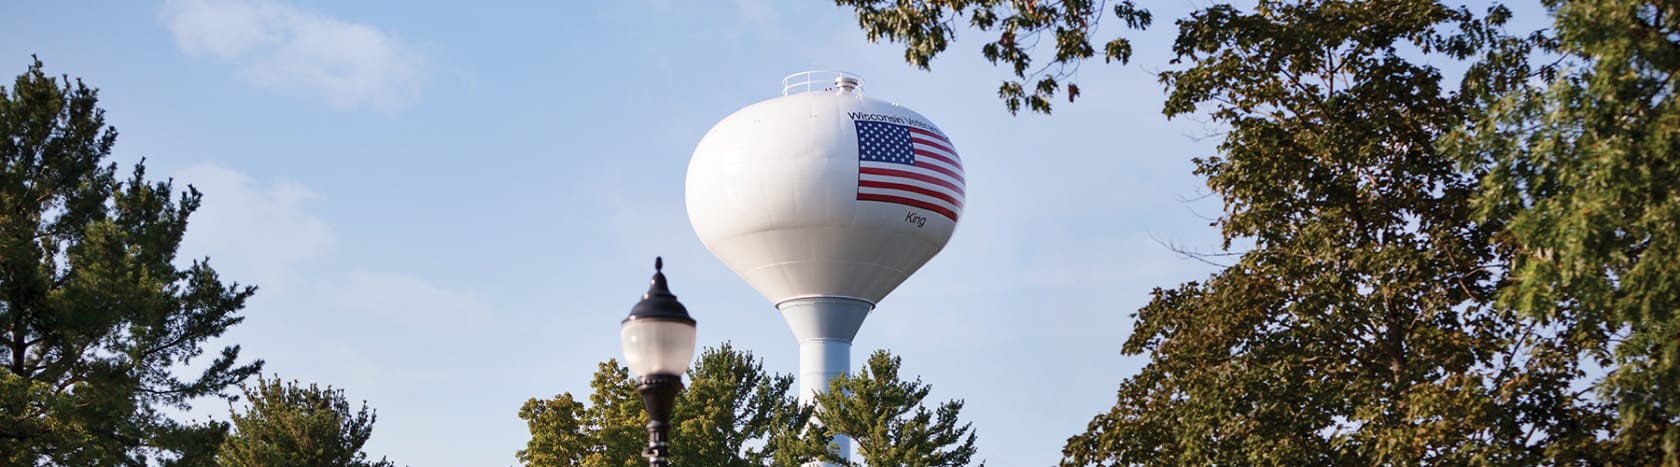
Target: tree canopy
926, 28
1358, 328
887, 418
288, 424
96, 317
732, 413
1440, 262
1582, 168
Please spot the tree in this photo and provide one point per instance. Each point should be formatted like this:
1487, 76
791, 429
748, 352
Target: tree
95, 315
733, 404
733, 413
926, 28
1583, 169
1564, 193
886, 417
1359, 328
287, 424
606, 432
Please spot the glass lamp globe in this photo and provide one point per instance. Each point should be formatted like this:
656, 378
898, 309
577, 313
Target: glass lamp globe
658, 336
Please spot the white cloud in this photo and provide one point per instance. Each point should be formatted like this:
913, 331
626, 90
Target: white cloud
264, 233
278, 46
254, 233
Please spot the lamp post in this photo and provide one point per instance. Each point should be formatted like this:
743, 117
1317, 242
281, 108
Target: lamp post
658, 341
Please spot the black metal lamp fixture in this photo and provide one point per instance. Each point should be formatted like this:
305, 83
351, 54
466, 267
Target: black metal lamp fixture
658, 341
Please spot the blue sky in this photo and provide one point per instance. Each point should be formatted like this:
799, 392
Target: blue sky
449, 210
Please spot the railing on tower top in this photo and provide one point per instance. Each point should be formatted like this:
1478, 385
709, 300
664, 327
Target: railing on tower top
822, 81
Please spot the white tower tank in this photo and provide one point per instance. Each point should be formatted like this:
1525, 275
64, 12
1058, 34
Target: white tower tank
825, 200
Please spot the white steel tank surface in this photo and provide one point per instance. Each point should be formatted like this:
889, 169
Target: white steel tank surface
825, 200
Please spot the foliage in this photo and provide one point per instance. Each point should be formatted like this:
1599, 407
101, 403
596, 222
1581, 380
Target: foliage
1398, 308
732, 404
733, 413
95, 315
607, 432
1358, 329
885, 416
926, 28
1584, 170
287, 424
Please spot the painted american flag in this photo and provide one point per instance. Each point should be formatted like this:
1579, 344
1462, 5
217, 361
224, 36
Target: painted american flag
909, 166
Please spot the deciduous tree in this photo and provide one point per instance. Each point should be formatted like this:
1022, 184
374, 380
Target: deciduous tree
927, 27
1358, 327
1584, 169
1552, 241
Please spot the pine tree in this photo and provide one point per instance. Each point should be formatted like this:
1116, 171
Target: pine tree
732, 413
288, 424
887, 418
96, 317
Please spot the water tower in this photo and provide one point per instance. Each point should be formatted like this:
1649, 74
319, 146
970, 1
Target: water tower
825, 200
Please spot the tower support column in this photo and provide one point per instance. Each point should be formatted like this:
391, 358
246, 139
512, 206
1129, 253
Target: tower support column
820, 361
825, 327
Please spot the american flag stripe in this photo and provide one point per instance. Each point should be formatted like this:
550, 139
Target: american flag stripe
939, 168
938, 156
937, 149
943, 196
883, 185
942, 210
909, 166
931, 138
912, 175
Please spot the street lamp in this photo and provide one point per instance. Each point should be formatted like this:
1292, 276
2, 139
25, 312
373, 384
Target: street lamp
658, 343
